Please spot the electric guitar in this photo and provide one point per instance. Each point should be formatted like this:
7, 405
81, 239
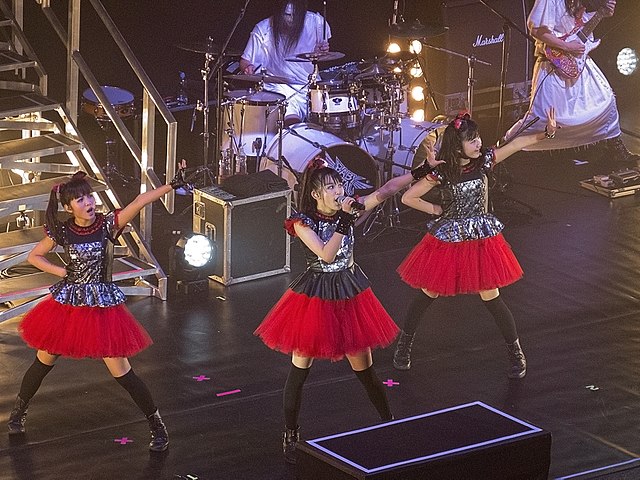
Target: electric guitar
570, 66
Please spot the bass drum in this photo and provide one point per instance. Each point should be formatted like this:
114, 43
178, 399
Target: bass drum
304, 142
409, 141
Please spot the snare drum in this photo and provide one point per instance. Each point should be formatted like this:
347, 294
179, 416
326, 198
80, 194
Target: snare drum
121, 100
303, 142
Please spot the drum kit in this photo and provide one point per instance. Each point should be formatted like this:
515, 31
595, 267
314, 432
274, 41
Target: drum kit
355, 118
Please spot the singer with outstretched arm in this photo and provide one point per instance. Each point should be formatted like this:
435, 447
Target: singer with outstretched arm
463, 251
330, 311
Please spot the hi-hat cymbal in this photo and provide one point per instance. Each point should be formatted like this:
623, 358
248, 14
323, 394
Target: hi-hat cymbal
316, 57
256, 78
206, 47
417, 30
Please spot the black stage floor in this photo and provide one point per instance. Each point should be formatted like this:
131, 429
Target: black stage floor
576, 308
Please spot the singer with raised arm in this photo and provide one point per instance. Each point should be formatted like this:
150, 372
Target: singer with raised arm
289, 31
566, 77
463, 251
330, 311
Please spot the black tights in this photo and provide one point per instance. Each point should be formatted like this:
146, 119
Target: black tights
503, 317
130, 382
138, 391
376, 392
416, 311
33, 379
292, 397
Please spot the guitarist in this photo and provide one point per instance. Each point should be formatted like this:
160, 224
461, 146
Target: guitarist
566, 78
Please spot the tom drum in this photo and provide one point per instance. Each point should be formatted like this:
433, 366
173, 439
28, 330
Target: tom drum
250, 119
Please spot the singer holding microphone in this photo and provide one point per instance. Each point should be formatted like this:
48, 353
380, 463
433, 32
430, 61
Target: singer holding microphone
464, 250
330, 311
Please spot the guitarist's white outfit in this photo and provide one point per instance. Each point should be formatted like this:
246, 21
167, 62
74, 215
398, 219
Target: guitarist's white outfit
585, 106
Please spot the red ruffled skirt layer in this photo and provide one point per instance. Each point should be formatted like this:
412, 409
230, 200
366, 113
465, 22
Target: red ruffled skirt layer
451, 268
318, 328
80, 332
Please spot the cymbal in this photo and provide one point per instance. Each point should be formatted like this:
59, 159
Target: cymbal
374, 70
316, 56
417, 30
265, 78
207, 48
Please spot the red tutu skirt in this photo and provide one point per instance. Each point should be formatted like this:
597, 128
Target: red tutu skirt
451, 268
314, 327
80, 332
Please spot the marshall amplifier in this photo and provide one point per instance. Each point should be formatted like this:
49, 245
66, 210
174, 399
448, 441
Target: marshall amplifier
474, 30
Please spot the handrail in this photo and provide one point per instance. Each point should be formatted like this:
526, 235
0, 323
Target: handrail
153, 102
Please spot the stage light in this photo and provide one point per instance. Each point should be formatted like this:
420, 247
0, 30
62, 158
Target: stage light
191, 262
627, 61
415, 71
418, 115
415, 46
393, 48
417, 93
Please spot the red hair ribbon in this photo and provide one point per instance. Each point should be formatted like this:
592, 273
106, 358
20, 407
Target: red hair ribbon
317, 162
462, 116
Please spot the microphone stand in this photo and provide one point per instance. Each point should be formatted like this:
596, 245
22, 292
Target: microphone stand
207, 74
506, 47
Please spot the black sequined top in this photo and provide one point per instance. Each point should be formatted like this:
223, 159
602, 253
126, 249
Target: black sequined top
465, 216
89, 261
339, 280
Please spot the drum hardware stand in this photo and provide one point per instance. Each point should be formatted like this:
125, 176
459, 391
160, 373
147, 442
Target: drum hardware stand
387, 214
471, 81
111, 153
207, 72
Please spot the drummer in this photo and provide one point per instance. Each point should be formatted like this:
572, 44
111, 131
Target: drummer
290, 30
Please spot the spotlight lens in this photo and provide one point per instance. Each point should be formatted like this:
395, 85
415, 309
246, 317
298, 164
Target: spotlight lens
198, 251
627, 61
417, 93
416, 71
418, 115
415, 47
393, 48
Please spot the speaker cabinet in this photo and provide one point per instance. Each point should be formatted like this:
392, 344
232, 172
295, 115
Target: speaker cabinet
476, 31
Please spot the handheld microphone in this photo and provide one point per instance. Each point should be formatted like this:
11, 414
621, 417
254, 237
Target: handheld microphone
355, 205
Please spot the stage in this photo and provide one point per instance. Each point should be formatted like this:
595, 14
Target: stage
219, 388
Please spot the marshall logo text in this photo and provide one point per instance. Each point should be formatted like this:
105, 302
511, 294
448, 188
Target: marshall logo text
482, 41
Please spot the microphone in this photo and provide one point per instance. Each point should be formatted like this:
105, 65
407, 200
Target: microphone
394, 18
355, 205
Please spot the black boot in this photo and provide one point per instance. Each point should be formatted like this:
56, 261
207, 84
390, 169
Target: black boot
517, 360
402, 355
290, 439
18, 417
159, 436
618, 152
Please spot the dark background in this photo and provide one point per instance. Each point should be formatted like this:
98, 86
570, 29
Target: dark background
155, 28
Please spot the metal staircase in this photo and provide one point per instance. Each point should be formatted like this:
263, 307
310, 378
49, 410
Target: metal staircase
40, 146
